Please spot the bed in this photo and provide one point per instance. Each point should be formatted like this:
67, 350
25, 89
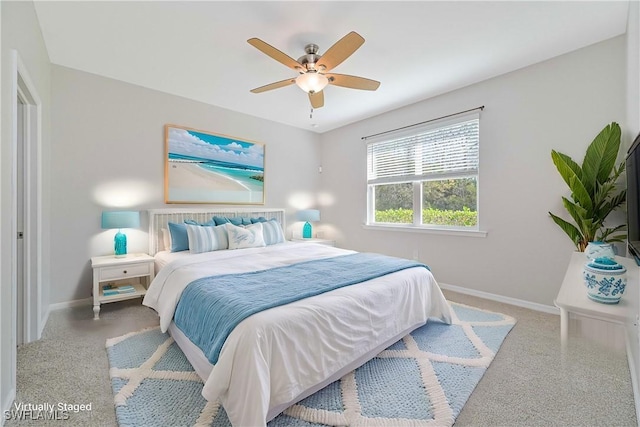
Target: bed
276, 357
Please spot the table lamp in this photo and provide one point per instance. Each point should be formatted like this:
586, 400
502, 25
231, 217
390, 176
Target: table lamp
308, 215
120, 220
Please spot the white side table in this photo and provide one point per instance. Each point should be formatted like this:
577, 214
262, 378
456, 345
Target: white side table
573, 298
314, 240
109, 269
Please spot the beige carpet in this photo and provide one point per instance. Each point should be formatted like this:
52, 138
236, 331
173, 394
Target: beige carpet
528, 384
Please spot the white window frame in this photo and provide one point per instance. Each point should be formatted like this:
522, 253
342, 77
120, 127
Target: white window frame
416, 225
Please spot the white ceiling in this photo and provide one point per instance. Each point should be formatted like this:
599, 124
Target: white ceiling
417, 50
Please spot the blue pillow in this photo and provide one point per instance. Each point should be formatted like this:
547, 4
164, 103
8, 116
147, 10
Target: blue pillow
211, 222
259, 219
237, 220
179, 237
219, 220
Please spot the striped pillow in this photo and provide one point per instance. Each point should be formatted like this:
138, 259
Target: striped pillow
247, 237
272, 231
206, 238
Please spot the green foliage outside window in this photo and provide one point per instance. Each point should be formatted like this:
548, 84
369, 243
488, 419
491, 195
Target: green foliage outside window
449, 202
462, 218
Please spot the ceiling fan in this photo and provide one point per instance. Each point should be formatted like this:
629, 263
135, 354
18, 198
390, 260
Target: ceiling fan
314, 69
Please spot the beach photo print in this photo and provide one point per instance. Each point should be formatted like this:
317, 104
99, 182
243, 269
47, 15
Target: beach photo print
204, 167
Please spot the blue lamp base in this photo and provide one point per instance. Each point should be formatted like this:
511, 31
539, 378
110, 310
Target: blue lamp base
306, 230
120, 244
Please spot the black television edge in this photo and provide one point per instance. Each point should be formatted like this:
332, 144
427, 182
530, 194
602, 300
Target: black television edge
632, 167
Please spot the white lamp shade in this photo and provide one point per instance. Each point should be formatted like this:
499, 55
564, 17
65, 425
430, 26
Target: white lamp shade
308, 215
312, 82
121, 219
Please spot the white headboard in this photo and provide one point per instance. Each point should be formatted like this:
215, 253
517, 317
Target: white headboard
159, 218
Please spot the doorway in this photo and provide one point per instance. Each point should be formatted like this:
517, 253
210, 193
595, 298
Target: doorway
26, 202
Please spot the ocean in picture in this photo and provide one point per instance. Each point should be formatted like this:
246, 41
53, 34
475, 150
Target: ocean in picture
208, 168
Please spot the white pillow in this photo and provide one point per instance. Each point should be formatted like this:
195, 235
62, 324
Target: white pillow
247, 237
272, 231
206, 238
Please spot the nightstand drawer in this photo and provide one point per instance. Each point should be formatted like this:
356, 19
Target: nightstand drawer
124, 271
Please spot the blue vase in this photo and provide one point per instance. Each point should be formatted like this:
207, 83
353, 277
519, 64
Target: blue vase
306, 230
120, 244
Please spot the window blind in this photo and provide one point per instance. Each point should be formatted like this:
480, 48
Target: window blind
438, 152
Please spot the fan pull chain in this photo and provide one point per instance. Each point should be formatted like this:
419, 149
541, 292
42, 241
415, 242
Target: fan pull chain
311, 113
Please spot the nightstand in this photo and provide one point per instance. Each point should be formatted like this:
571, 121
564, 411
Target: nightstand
109, 269
314, 240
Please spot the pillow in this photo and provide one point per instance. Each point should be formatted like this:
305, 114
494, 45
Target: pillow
179, 238
219, 220
272, 232
211, 222
248, 237
259, 219
206, 239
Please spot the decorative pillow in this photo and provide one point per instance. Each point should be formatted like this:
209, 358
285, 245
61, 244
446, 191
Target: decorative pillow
206, 239
219, 220
259, 219
211, 222
248, 237
272, 232
179, 237
235, 220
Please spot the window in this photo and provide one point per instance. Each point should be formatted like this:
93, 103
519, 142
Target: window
426, 176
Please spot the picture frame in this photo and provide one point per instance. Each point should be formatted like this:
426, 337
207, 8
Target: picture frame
205, 167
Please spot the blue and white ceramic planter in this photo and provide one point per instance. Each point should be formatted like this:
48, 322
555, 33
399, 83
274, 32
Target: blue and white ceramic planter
596, 250
605, 280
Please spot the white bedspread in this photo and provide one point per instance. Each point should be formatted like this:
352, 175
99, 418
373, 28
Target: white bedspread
272, 358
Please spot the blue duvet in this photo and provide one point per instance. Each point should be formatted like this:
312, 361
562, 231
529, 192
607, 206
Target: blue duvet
211, 307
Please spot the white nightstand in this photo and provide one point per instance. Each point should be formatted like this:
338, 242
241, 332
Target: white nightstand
109, 269
314, 240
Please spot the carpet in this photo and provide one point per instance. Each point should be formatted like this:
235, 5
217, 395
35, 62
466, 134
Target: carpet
422, 380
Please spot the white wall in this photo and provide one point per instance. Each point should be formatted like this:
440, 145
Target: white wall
633, 71
20, 31
558, 104
109, 153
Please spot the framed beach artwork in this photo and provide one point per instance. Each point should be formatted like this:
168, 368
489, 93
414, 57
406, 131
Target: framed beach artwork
204, 167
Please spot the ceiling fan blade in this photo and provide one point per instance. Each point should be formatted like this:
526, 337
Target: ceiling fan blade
272, 86
317, 99
340, 51
352, 82
274, 53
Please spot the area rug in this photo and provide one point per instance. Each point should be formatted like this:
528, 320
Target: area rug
422, 380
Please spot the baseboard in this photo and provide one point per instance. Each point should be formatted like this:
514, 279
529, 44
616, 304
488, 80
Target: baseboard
6, 405
69, 304
499, 298
43, 321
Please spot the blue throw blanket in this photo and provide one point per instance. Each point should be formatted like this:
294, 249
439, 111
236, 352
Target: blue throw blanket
211, 307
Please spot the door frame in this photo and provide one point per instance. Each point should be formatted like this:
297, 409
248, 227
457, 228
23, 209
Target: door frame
22, 87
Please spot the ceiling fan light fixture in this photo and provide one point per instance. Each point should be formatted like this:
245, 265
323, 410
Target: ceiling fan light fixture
312, 82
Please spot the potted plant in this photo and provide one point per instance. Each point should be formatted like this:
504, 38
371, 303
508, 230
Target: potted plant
594, 193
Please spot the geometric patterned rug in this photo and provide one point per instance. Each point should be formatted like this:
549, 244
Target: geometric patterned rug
422, 380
